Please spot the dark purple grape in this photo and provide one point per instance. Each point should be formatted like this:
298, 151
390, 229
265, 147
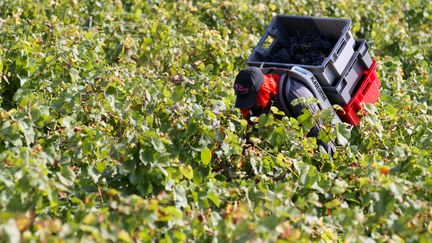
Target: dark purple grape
303, 47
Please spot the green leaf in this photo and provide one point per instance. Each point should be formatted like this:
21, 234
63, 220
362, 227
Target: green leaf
386, 203
201, 66
23, 80
74, 74
206, 156
332, 204
214, 198
306, 119
66, 176
187, 171
310, 177
268, 223
343, 133
100, 167
180, 199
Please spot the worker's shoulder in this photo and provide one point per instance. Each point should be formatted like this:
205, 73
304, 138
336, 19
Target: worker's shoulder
274, 76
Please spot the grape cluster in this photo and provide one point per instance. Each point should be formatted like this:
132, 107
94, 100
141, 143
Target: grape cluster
304, 47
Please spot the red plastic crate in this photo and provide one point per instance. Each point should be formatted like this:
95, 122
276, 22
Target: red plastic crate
368, 92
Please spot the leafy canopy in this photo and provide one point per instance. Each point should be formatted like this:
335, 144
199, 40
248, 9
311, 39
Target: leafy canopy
117, 124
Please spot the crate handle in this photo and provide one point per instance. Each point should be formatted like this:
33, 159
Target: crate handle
341, 47
343, 43
263, 39
339, 50
365, 49
365, 88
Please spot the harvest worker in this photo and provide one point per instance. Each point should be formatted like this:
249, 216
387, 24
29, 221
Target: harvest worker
256, 93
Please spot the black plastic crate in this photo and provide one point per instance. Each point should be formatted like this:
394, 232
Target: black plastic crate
283, 27
343, 89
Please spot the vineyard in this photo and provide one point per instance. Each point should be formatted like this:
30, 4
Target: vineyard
117, 124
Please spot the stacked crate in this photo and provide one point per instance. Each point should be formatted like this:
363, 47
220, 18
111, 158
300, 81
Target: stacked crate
347, 74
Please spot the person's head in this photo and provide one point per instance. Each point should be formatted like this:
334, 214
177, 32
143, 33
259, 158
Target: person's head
246, 86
